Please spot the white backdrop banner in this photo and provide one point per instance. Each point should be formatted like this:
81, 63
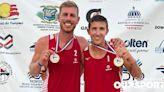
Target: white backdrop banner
138, 22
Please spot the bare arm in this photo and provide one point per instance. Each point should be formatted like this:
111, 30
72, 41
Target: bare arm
83, 44
40, 57
129, 61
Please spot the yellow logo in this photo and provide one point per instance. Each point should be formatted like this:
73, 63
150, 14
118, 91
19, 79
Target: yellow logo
4, 10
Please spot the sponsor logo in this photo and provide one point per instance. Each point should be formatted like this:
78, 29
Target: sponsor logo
34, 82
6, 42
8, 10
33, 77
136, 43
48, 14
160, 48
159, 27
5, 72
90, 14
161, 69
137, 46
134, 20
9, 16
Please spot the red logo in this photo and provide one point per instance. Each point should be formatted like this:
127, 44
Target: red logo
7, 10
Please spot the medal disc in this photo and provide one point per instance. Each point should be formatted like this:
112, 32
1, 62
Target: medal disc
54, 58
118, 61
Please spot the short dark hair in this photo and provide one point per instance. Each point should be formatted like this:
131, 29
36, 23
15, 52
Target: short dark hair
69, 4
97, 18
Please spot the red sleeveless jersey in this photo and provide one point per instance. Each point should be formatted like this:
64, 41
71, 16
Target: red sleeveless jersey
64, 76
100, 74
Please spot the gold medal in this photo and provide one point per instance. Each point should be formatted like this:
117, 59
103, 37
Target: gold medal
118, 61
54, 58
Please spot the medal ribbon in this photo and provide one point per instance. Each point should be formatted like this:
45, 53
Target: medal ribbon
65, 46
102, 48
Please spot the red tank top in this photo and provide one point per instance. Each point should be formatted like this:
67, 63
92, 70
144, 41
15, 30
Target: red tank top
64, 76
100, 74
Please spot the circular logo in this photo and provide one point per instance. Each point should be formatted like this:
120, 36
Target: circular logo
5, 72
4, 10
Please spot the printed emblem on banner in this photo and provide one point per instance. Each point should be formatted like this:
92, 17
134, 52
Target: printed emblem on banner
134, 20
48, 18
34, 82
6, 42
9, 14
160, 48
8, 10
5, 72
48, 14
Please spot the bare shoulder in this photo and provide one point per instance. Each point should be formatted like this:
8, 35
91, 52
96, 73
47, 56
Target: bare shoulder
42, 43
82, 41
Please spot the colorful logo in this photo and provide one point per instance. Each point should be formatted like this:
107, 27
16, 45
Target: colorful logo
48, 13
6, 42
7, 10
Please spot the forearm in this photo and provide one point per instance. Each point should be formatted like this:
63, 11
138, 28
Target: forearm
35, 68
132, 67
129, 61
136, 71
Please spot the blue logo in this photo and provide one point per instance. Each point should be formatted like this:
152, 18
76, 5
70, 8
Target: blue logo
134, 13
134, 20
160, 48
33, 77
48, 14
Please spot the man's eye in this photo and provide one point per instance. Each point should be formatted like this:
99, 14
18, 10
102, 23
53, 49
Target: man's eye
65, 14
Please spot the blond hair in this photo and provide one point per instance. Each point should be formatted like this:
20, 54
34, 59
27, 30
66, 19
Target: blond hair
69, 4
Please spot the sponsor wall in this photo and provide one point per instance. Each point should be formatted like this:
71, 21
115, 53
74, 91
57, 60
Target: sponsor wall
138, 22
